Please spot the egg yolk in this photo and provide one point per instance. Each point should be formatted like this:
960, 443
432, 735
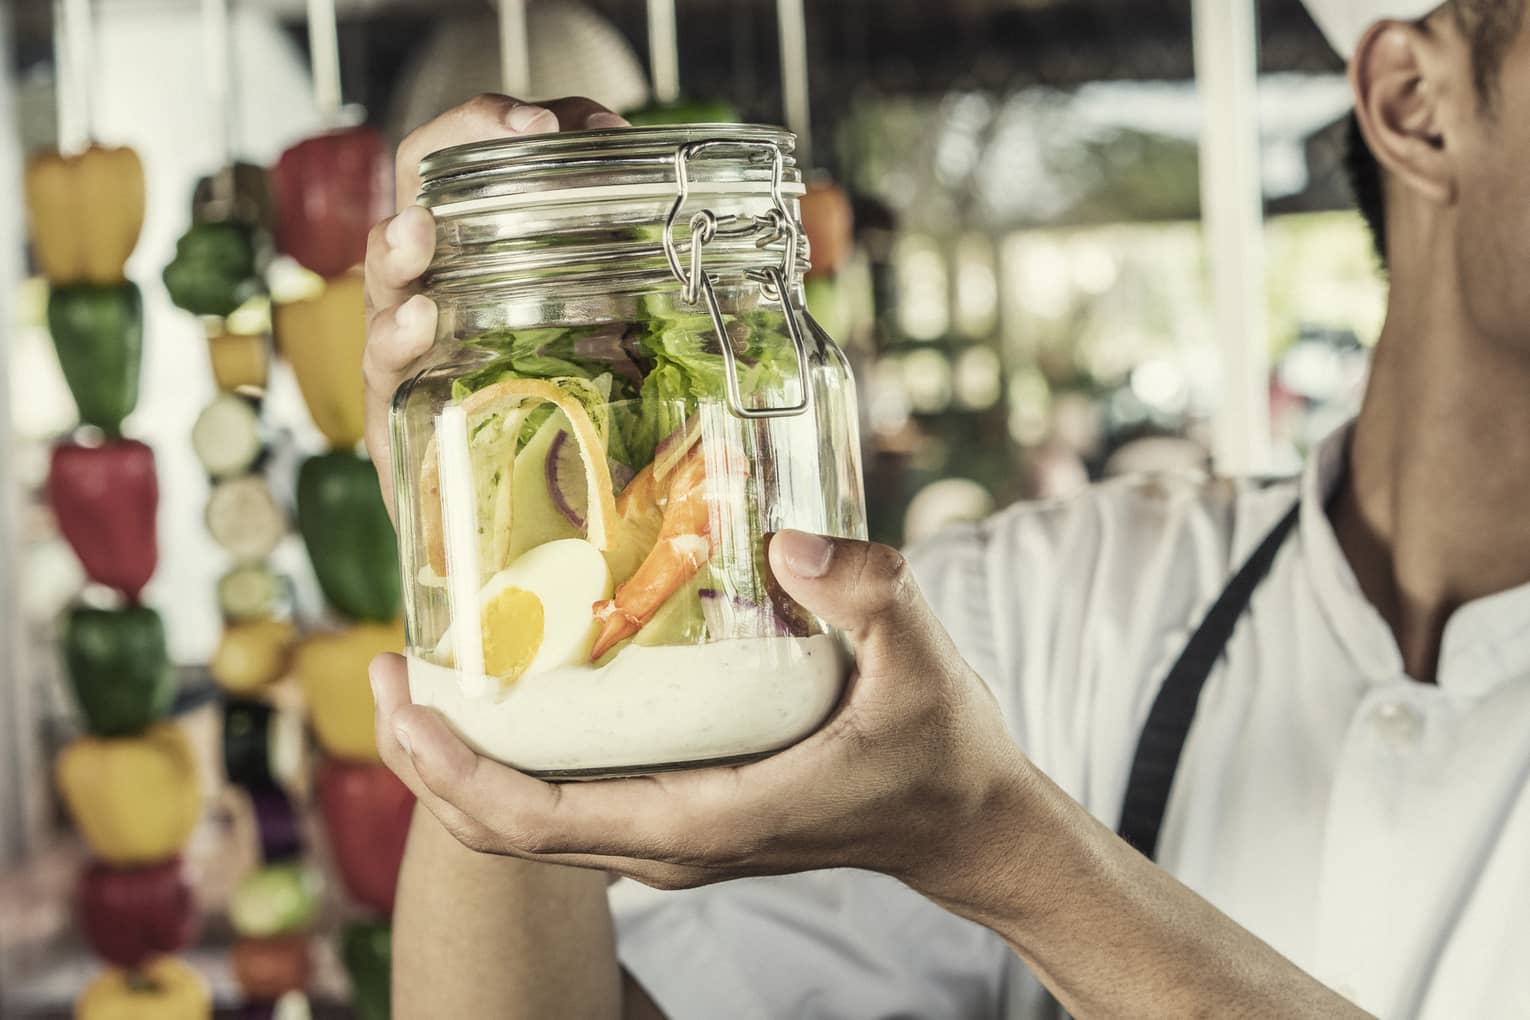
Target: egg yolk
512, 633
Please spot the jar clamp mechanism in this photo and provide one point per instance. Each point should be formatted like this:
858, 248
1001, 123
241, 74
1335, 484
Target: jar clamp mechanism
696, 283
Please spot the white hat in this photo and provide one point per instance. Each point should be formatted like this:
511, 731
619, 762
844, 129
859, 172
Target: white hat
1345, 21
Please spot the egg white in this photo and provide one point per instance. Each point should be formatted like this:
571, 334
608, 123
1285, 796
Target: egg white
568, 577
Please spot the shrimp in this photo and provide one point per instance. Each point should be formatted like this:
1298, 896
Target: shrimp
684, 544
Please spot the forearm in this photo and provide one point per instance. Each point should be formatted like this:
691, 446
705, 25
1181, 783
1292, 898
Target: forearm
477, 935
1111, 933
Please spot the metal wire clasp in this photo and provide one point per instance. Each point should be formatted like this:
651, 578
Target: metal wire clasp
696, 283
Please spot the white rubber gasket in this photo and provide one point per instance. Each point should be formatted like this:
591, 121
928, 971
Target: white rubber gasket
608, 192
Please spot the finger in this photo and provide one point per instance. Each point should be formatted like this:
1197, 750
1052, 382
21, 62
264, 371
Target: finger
397, 337
480, 118
649, 818
576, 113
493, 116
864, 589
399, 251
390, 692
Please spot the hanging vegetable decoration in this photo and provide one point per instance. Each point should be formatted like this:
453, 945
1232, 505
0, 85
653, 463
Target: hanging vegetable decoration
366, 949
130, 783
322, 338
131, 915
166, 989
366, 812
215, 268
85, 213
119, 668
97, 331
105, 497
134, 799
329, 191
345, 527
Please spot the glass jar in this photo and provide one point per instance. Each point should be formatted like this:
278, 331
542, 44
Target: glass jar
588, 478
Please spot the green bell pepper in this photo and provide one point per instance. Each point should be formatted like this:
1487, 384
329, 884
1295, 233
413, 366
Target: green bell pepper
98, 334
214, 270
366, 947
350, 540
119, 668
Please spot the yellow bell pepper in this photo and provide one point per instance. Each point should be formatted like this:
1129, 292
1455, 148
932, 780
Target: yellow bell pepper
251, 654
166, 989
85, 211
134, 799
240, 361
332, 669
323, 338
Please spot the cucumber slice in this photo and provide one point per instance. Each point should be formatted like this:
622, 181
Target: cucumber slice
278, 899
251, 591
242, 517
226, 436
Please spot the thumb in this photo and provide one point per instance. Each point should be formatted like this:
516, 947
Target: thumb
862, 588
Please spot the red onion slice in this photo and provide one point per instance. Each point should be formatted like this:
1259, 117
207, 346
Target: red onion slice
564, 471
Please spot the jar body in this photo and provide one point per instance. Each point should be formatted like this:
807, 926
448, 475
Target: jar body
584, 518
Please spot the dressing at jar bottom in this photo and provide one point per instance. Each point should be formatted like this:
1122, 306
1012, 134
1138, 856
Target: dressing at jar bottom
663, 706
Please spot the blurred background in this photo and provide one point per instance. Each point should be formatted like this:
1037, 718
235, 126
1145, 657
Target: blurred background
1082, 245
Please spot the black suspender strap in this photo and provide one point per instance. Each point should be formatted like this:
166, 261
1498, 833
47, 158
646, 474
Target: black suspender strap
1168, 722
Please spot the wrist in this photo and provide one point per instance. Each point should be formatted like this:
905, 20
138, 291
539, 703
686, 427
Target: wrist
984, 867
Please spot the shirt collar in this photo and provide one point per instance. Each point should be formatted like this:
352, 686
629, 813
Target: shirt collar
1487, 641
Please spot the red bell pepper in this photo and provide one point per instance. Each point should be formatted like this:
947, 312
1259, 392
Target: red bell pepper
105, 498
366, 814
129, 915
329, 191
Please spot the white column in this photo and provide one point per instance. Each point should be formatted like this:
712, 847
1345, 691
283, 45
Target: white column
1232, 213
663, 51
324, 57
791, 19
23, 774
514, 49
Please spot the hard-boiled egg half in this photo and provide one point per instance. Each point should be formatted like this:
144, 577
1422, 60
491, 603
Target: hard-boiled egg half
538, 613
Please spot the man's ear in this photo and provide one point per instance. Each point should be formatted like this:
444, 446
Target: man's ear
1397, 74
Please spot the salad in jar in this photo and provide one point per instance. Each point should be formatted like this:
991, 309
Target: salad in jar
585, 532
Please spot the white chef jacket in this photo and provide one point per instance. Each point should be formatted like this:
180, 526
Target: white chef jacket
1373, 829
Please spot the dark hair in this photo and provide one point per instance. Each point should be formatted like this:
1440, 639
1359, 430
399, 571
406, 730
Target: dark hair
1490, 27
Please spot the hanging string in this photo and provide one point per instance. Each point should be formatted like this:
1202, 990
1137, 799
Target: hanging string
663, 51
514, 49
74, 56
217, 55
792, 22
324, 58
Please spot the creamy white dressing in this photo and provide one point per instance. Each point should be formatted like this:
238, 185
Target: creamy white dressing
647, 707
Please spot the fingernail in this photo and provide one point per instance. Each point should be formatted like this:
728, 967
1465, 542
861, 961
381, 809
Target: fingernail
526, 119
605, 120
376, 687
402, 734
805, 555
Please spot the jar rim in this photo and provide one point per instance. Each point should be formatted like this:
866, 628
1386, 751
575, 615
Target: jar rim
508, 167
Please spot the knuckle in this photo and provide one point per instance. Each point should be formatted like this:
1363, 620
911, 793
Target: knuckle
667, 879
472, 837
377, 239
529, 839
885, 575
485, 104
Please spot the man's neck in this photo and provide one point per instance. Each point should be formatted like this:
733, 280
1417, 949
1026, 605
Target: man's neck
1432, 513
